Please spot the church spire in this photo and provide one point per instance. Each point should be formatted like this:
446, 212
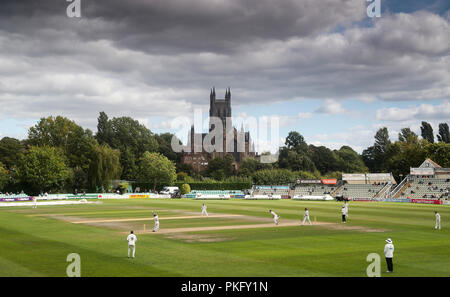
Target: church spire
228, 94
212, 95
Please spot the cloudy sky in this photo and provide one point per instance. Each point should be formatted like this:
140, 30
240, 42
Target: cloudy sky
324, 67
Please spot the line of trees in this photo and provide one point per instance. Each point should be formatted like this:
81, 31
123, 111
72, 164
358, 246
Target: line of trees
59, 156
408, 151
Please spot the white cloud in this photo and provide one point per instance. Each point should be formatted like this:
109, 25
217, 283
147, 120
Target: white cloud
305, 115
357, 137
330, 106
420, 112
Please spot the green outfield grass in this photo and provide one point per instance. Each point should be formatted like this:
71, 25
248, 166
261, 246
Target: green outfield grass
36, 242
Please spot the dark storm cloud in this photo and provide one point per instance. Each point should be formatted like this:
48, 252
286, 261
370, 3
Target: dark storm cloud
205, 25
180, 25
159, 58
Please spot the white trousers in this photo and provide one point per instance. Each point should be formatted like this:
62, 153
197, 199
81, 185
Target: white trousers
156, 228
131, 247
204, 212
306, 218
275, 219
438, 224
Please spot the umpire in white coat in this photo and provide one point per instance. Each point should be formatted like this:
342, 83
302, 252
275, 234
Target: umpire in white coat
389, 255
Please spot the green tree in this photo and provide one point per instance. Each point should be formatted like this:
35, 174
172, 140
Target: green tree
104, 130
249, 166
444, 134
184, 167
128, 163
404, 155
375, 156
165, 147
185, 189
124, 186
438, 152
44, 168
156, 168
182, 176
349, 161
406, 135
11, 150
220, 168
4, 176
307, 175
104, 166
368, 157
131, 134
130, 137
295, 141
324, 159
427, 132
382, 141
273, 177
295, 160
75, 142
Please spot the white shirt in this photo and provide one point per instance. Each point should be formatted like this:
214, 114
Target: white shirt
438, 217
389, 250
203, 207
344, 211
274, 214
307, 213
131, 239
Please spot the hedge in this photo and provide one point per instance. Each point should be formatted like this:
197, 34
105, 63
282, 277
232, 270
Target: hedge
217, 186
198, 185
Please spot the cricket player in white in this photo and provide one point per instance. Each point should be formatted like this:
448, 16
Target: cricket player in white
344, 214
35, 202
438, 221
204, 212
275, 217
155, 217
131, 243
306, 217
389, 254
346, 209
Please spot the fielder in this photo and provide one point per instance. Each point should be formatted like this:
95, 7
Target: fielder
204, 212
35, 202
346, 209
438, 221
306, 217
275, 217
155, 217
131, 243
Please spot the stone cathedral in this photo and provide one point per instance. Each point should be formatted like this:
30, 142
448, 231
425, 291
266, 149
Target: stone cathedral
198, 157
